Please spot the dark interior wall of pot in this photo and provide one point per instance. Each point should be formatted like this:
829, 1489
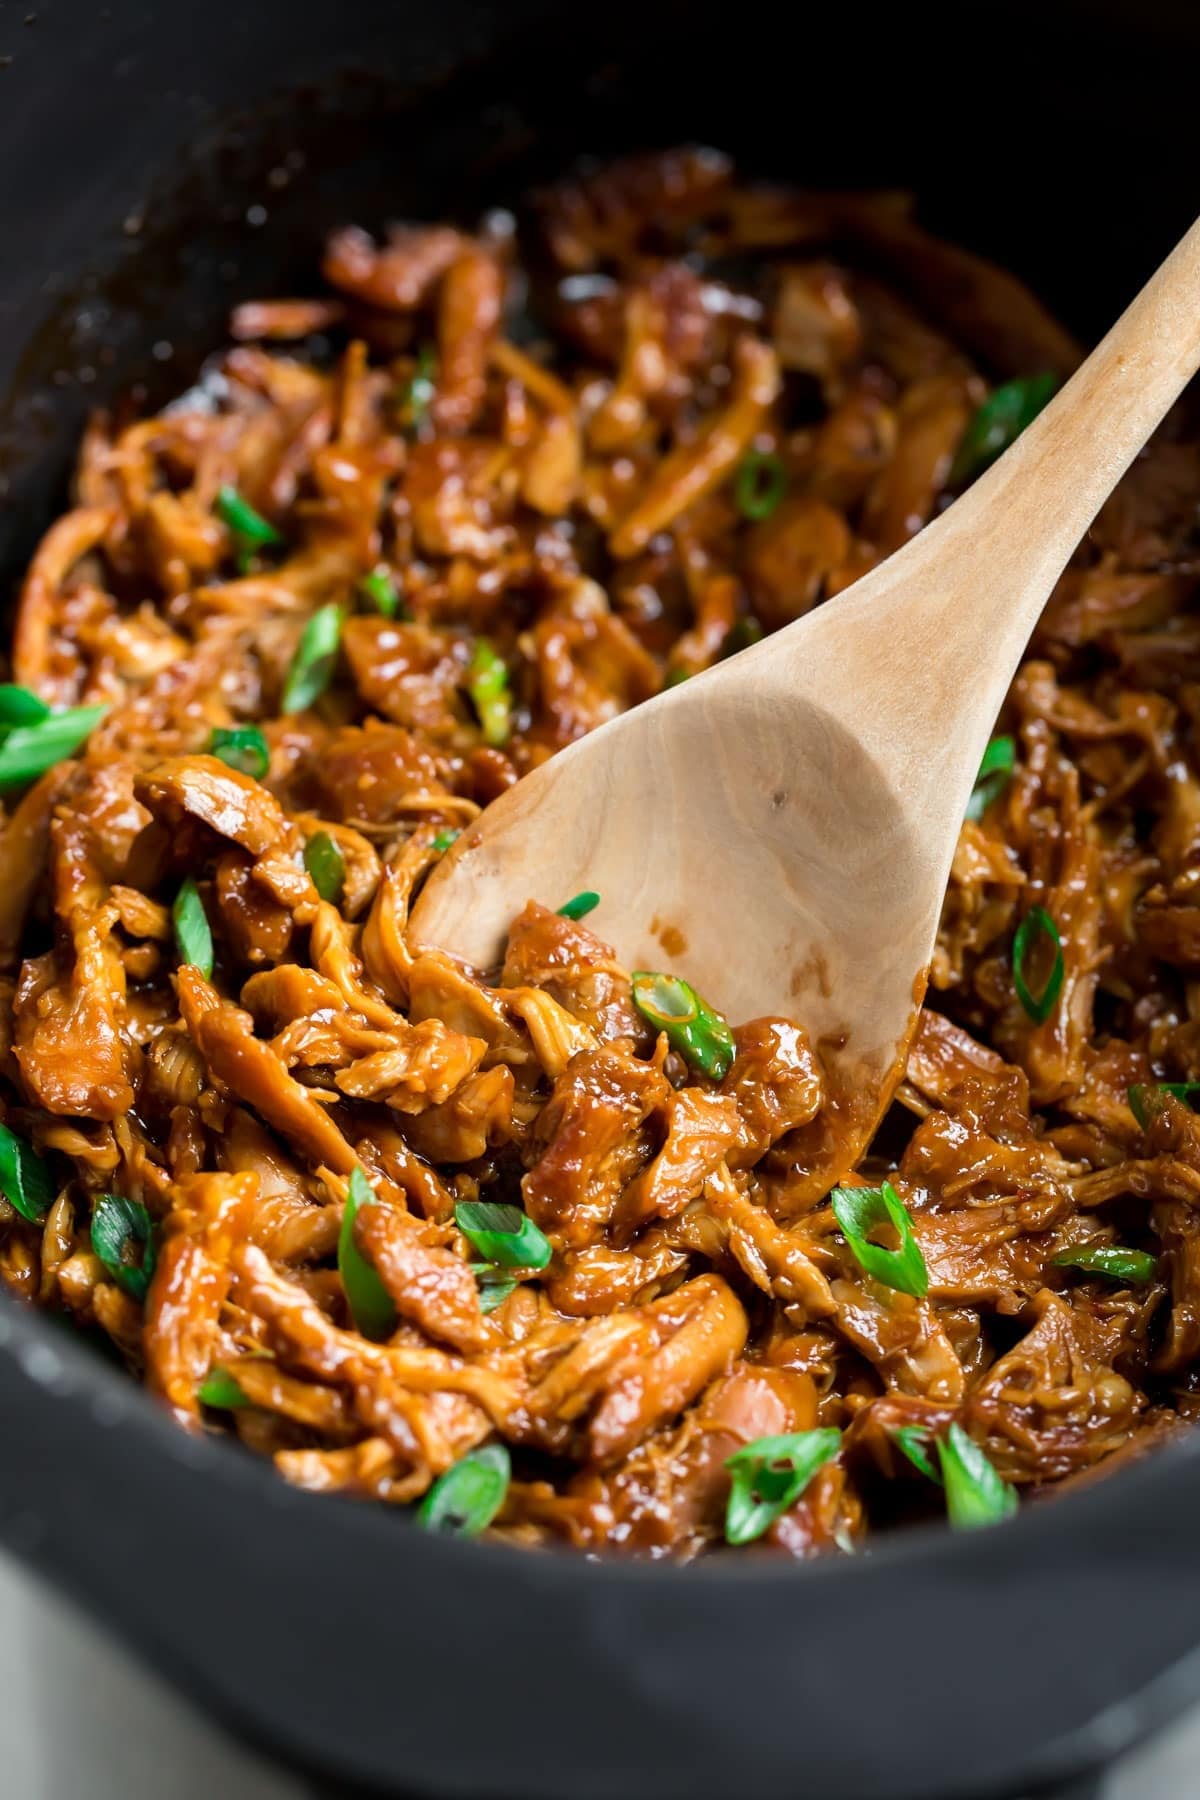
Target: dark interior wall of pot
160, 161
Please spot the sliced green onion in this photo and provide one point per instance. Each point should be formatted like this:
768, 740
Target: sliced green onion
325, 863
760, 484
994, 771
250, 530
444, 839
699, 1034
1109, 1259
24, 1178
975, 1493
494, 1284
746, 631
464, 1501
673, 677
21, 706
369, 1301
193, 935
219, 1389
998, 423
487, 684
1037, 923
29, 750
915, 1441
315, 660
579, 905
503, 1234
243, 748
860, 1211
419, 394
1143, 1097
770, 1475
381, 590
118, 1227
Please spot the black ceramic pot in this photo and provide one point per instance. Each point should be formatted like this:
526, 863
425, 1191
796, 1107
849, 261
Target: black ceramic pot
158, 161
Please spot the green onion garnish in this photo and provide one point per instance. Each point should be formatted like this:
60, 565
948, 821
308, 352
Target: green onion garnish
746, 631
250, 530
998, 423
193, 935
699, 1034
1143, 1097
24, 1178
487, 684
770, 1475
1109, 1259
21, 706
673, 677
992, 779
579, 906
975, 1493
369, 1301
325, 863
221, 1390
914, 1441
861, 1210
418, 395
243, 748
315, 660
443, 840
494, 1284
29, 750
464, 1501
380, 589
1037, 923
760, 484
118, 1227
504, 1234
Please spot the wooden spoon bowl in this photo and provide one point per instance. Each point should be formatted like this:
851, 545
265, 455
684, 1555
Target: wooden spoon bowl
780, 829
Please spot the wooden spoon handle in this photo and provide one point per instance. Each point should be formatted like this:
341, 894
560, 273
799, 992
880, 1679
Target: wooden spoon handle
1036, 503
924, 648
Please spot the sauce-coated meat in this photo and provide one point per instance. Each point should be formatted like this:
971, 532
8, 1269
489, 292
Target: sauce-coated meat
376, 1213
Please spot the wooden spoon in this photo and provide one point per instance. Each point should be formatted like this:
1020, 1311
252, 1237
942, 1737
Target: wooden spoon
780, 829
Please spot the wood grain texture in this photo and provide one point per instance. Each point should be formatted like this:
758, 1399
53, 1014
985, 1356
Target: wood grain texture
780, 829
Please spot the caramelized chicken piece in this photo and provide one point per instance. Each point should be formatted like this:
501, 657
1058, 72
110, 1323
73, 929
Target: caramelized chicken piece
210, 1215
250, 1069
468, 318
69, 1045
477, 1118
396, 277
775, 1083
576, 969
634, 1371
427, 1282
1054, 1404
410, 674
372, 774
816, 328
694, 470
669, 1496
701, 1129
790, 557
232, 804
590, 1139
602, 216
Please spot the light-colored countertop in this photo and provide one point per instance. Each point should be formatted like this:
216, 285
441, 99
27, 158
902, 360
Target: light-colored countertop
79, 1718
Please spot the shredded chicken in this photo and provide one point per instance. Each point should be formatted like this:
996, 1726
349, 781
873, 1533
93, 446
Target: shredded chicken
735, 401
